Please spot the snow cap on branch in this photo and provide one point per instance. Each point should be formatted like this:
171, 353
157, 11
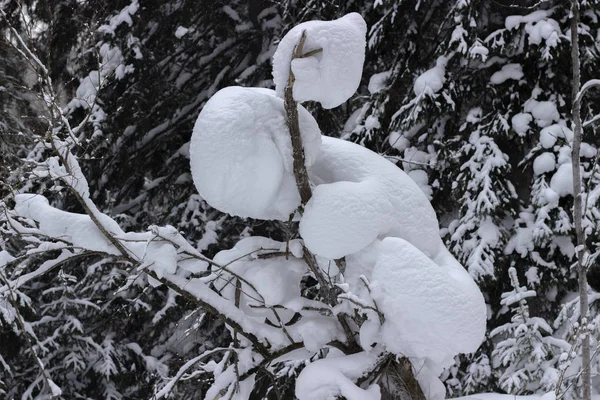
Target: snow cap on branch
241, 153
330, 76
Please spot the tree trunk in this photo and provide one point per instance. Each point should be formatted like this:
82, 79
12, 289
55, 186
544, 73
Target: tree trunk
577, 206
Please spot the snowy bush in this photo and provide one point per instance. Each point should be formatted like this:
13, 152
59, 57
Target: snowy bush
366, 301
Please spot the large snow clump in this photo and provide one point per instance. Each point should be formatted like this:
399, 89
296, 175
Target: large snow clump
330, 76
241, 153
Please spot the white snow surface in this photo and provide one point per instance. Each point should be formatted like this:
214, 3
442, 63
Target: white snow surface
562, 180
329, 378
508, 71
550, 134
543, 163
361, 196
520, 123
430, 311
432, 80
332, 76
379, 81
241, 153
181, 31
544, 112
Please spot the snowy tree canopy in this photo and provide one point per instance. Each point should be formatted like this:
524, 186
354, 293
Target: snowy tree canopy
168, 230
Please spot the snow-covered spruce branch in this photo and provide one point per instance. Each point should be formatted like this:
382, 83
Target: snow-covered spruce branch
53, 389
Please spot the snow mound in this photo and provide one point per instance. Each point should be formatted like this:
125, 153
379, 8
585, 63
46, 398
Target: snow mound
330, 378
550, 134
562, 180
332, 76
379, 81
520, 123
241, 153
431, 312
544, 112
361, 196
432, 80
543, 163
508, 71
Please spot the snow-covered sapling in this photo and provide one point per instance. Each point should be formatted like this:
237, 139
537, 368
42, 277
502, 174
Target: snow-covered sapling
415, 300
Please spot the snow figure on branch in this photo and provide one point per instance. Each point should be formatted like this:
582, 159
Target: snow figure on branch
392, 302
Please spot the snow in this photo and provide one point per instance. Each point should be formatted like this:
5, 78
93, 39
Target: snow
241, 153
550, 134
431, 312
562, 180
379, 81
398, 141
361, 196
543, 163
432, 80
538, 26
329, 77
122, 17
520, 123
272, 281
181, 32
78, 228
587, 151
547, 30
544, 112
330, 378
508, 71
420, 178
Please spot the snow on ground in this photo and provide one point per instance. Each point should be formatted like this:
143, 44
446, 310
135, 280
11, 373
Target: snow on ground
241, 153
332, 76
508, 71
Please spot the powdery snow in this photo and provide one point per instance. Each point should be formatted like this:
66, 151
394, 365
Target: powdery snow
520, 123
332, 377
508, 71
181, 31
361, 196
544, 112
543, 163
432, 80
431, 312
332, 76
241, 153
398, 141
550, 134
379, 81
562, 180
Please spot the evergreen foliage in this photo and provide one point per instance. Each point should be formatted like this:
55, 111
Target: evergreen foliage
486, 136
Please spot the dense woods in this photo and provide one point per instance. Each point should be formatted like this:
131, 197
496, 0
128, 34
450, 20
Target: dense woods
471, 98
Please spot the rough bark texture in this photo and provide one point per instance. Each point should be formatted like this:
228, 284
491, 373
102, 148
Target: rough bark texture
577, 206
291, 109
